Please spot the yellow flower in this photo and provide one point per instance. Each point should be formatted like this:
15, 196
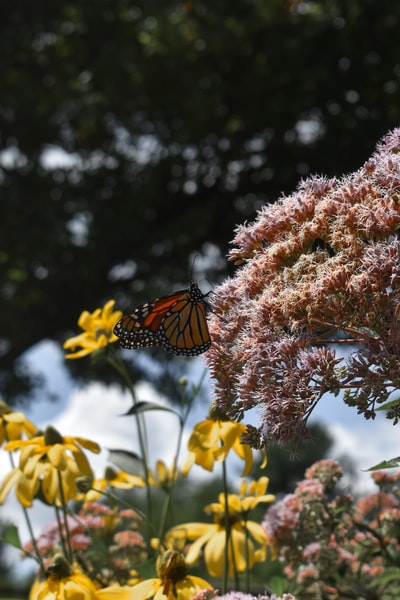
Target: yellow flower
211, 441
253, 494
48, 458
115, 479
63, 583
67, 583
248, 540
172, 582
97, 330
13, 424
164, 477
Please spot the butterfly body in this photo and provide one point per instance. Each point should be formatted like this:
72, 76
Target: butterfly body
176, 322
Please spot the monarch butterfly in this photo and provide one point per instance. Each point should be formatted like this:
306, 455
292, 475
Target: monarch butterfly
176, 322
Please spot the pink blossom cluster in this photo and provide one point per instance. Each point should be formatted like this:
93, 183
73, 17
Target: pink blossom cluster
331, 544
213, 595
105, 540
318, 272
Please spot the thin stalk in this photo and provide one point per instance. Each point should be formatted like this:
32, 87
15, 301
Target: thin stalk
227, 530
60, 531
36, 554
247, 557
186, 405
123, 502
69, 554
228, 536
34, 545
120, 367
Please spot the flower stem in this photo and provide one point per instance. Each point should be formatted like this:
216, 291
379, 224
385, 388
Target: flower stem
69, 553
121, 369
34, 545
36, 554
186, 405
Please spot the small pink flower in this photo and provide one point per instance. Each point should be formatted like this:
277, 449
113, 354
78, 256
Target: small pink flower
382, 478
129, 538
312, 549
283, 516
373, 502
80, 541
307, 575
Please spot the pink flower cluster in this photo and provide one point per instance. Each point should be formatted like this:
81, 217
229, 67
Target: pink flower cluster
319, 271
104, 540
213, 595
331, 543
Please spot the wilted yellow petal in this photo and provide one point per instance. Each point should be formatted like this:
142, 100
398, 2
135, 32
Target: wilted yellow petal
26, 489
8, 482
57, 457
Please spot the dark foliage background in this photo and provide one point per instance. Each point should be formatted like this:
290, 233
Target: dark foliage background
176, 120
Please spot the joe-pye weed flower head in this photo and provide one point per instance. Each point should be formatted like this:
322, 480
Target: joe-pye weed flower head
319, 267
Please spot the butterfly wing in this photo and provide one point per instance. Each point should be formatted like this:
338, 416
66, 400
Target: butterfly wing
176, 322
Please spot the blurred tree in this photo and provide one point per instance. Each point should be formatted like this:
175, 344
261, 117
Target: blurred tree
137, 134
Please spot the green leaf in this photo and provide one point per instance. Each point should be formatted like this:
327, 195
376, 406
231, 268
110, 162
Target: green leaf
277, 584
389, 405
142, 407
386, 464
389, 575
11, 536
127, 461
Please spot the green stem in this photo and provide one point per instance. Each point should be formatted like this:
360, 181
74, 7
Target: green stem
69, 554
121, 369
227, 529
60, 530
229, 539
34, 545
186, 405
36, 554
123, 502
247, 557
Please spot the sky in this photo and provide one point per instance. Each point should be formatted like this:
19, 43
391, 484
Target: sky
95, 411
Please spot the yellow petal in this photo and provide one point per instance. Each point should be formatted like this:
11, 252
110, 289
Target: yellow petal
26, 489
87, 320
245, 453
85, 443
161, 470
243, 547
50, 485
214, 554
257, 531
230, 432
17, 420
145, 589
195, 549
115, 592
265, 459
56, 456
261, 485
243, 488
77, 340
188, 464
8, 483
79, 354
188, 587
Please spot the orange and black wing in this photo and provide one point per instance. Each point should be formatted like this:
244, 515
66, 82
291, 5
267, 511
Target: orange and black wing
176, 322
